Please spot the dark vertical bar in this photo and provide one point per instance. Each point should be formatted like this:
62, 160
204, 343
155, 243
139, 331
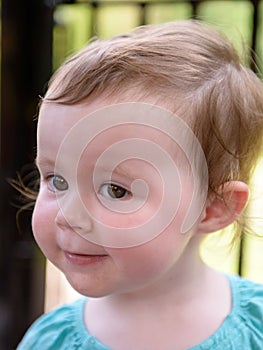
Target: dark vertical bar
93, 18
195, 4
253, 60
25, 67
142, 17
253, 65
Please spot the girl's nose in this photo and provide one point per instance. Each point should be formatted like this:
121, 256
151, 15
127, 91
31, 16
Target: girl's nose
73, 215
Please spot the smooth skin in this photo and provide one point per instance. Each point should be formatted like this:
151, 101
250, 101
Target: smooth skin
158, 295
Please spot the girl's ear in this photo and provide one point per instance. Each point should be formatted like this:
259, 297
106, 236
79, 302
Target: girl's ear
221, 212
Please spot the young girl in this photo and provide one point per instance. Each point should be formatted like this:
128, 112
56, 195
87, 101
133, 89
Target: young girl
146, 143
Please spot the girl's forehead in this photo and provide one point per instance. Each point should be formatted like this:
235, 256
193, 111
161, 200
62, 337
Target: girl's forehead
99, 124
133, 129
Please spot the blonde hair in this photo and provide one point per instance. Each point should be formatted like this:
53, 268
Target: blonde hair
187, 62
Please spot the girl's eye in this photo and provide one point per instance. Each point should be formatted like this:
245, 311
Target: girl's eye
57, 183
114, 191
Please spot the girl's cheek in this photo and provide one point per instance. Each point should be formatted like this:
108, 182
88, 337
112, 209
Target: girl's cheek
38, 223
42, 218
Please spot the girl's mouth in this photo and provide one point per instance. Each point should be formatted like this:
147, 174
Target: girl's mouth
84, 259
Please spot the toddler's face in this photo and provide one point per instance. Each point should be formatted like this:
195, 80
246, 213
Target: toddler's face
115, 191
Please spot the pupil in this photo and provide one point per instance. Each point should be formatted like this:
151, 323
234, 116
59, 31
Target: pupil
60, 183
116, 191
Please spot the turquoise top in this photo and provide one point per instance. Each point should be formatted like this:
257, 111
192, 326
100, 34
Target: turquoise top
64, 328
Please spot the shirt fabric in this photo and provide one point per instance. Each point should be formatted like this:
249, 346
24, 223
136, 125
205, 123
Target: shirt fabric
64, 328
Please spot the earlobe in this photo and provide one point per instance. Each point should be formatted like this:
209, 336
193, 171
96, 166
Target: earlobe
221, 212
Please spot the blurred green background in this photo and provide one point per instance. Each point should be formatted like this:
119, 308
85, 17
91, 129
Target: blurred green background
74, 24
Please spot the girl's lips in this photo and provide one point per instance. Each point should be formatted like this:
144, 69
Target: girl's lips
84, 259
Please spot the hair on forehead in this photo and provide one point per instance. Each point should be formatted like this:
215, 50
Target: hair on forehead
187, 65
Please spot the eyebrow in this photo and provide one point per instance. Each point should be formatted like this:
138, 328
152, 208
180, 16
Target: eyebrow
43, 162
119, 169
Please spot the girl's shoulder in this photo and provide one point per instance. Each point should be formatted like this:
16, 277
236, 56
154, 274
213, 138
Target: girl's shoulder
247, 300
243, 327
62, 328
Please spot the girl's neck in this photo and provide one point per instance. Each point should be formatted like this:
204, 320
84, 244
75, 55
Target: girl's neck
177, 287
170, 317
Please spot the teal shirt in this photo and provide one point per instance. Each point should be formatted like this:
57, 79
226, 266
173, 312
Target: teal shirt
64, 328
